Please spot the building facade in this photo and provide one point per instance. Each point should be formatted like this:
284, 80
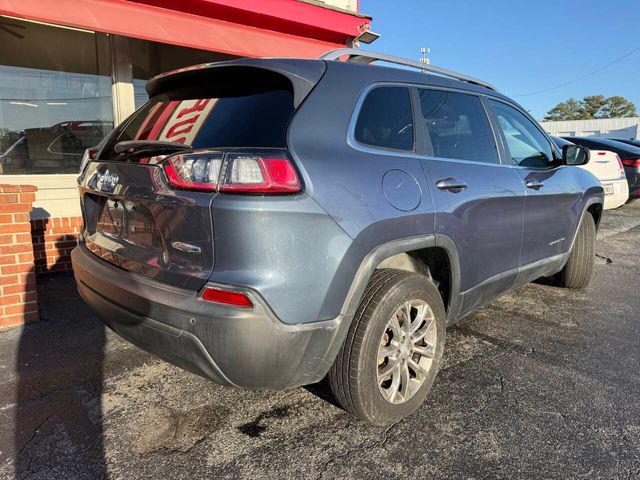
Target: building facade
69, 74
71, 70
600, 127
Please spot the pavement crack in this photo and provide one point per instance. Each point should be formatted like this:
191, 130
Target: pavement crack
607, 260
37, 428
379, 443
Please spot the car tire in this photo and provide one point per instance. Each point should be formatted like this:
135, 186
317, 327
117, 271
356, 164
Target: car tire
358, 379
578, 269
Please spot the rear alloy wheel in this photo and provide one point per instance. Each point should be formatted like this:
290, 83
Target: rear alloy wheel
406, 351
579, 267
393, 350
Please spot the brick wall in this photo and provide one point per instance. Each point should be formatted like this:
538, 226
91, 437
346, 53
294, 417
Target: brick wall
18, 300
53, 240
28, 247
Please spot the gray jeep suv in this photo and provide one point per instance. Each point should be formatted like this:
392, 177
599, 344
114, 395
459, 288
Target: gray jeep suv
267, 223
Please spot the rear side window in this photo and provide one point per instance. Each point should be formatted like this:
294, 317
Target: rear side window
458, 126
385, 119
210, 117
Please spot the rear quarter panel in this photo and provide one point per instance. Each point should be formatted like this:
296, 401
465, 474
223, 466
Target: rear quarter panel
286, 248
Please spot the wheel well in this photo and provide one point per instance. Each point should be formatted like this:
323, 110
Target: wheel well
596, 211
431, 262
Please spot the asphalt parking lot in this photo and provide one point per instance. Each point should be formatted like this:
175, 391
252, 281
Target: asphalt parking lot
541, 383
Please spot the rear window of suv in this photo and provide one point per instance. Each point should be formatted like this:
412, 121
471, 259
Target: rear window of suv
243, 115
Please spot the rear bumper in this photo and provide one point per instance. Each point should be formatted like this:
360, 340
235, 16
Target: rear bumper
247, 348
620, 193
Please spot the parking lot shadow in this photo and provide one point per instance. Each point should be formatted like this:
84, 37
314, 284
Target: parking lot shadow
58, 430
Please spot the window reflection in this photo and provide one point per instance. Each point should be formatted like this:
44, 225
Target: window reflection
55, 98
55, 91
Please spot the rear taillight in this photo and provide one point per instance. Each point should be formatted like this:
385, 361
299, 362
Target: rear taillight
194, 172
632, 162
256, 174
228, 297
266, 173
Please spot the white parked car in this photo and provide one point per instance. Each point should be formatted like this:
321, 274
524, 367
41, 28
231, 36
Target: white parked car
607, 167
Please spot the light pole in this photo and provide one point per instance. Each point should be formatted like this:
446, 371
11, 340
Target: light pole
423, 55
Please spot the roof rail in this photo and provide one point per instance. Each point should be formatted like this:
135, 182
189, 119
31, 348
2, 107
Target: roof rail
362, 56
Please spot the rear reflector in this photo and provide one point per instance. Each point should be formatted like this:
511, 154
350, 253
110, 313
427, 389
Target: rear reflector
632, 162
227, 297
261, 173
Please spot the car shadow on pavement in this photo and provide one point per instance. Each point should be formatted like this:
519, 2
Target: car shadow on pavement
322, 391
58, 427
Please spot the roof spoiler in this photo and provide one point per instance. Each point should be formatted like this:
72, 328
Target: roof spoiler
303, 74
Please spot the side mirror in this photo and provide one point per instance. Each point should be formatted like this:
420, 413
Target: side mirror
575, 155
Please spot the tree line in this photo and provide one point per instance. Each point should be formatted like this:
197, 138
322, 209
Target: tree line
590, 107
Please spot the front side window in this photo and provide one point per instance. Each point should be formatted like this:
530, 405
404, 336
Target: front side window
385, 119
458, 126
527, 145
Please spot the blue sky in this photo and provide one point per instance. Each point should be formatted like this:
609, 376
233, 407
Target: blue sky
520, 46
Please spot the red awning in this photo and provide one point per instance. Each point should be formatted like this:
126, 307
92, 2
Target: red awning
303, 18
147, 22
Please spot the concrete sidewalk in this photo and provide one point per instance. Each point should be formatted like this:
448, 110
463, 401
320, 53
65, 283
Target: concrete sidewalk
542, 383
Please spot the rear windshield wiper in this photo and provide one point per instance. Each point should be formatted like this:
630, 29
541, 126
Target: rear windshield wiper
145, 147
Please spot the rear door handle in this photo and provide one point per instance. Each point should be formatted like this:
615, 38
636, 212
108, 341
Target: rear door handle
451, 184
535, 184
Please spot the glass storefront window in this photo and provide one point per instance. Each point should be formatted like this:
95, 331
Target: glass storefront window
55, 96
